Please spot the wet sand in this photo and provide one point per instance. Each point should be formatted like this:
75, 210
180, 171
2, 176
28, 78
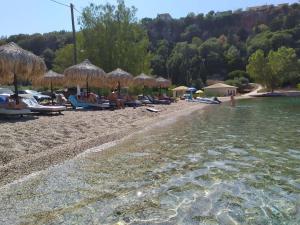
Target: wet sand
34, 143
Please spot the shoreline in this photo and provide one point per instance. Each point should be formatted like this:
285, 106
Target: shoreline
27, 165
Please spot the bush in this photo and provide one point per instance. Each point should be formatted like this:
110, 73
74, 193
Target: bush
238, 74
241, 83
197, 83
298, 86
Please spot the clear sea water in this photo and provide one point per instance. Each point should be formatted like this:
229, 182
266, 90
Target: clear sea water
227, 165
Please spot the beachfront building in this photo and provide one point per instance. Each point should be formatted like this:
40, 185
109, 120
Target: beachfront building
220, 89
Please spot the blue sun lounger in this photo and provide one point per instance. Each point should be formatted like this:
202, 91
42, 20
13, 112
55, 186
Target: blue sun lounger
87, 105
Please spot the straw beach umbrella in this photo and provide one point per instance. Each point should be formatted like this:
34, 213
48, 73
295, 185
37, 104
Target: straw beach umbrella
179, 90
144, 80
85, 73
162, 83
18, 64
50, 78
119, 78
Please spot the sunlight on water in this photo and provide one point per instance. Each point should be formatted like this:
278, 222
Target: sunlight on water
226, 166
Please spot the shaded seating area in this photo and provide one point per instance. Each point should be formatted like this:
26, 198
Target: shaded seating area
22, 65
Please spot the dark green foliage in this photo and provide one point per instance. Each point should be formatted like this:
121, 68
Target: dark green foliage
112, 38
275, 68
44, 45
241, 82
238, 74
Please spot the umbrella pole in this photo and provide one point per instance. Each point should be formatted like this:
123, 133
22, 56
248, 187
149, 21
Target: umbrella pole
87, 87
119, 88
16, 89
51, 87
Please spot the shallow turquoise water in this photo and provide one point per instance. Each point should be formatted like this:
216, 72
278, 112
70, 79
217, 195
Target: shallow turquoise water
225, 166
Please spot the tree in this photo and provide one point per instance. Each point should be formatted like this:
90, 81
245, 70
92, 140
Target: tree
274, 69
48, 56
211, 52
238, 74
64, 56
185, 65
257, 68
160, 57
283, 65
233, 58
113, 38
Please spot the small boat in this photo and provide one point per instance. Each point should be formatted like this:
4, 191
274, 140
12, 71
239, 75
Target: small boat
213, 100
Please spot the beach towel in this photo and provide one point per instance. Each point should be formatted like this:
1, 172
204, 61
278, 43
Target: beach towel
3, 99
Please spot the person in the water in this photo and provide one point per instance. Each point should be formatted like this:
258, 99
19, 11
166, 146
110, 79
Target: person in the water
232, 100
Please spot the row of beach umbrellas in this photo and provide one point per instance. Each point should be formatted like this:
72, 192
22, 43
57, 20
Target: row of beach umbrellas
19, 64
86, 73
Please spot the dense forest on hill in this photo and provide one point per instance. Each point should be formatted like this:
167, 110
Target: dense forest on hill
188, 50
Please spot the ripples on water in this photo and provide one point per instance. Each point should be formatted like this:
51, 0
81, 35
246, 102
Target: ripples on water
226, 166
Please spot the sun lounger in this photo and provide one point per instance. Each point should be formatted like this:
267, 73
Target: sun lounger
144, 100
11, 111
87, 105
14, 112
158, 101
133, 103
34, 106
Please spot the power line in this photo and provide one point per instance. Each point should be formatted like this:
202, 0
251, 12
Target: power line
78, 11
60, 3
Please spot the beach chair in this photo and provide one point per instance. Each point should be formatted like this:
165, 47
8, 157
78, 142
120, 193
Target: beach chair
7, 111
159, 101
144, 100
87, 105
34, 106
133, 103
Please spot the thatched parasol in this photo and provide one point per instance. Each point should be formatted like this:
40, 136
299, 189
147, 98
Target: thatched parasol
119, 78
162, 83
19, 64
145, 81
50, 78
180, 88
85, 73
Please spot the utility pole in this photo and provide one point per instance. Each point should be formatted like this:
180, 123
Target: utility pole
74, 35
